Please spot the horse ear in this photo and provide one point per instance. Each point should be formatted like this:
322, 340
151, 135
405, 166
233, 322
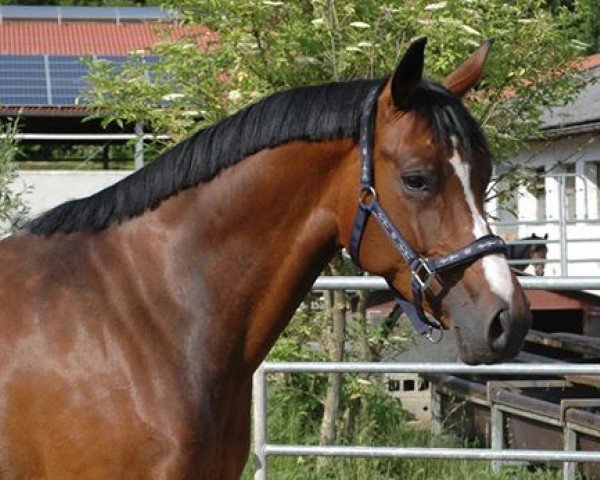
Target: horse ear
408, 73
468, 74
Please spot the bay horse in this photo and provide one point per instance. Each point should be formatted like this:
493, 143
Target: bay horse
132, 320
529, 251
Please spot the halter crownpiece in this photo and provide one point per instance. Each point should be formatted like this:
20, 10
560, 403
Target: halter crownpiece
423, 269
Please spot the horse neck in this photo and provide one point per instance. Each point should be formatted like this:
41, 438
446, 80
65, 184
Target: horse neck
256, 237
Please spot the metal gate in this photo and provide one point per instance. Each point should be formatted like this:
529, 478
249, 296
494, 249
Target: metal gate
497, 453
262, 449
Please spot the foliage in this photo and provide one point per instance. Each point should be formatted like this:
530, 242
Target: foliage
272, 45
13, 209
282, 44
588, 28
168, 95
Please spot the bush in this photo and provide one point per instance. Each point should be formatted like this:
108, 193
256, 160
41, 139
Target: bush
13, 209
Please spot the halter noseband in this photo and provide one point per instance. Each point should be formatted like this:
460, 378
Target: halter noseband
423, 269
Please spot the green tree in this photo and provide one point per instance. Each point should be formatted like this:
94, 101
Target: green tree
585, 21
273, 45
13, 209
588, 29
187, 84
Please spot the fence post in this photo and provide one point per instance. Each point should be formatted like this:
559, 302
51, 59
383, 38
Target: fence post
497, 435
436, 411
259, 393
570, 445
138, 158
562, 218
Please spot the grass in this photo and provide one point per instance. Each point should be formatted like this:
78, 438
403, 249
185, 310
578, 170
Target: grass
381, 423
296, 468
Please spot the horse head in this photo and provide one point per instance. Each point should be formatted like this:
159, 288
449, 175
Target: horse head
430, 168
538, 251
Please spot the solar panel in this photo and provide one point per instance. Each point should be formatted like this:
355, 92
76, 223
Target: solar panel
66, 13
23, 80
151, 59
47, 80
23, 96
146, 13
16, 59
21, 12
67, 79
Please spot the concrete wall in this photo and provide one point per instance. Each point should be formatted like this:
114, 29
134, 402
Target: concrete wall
53, 187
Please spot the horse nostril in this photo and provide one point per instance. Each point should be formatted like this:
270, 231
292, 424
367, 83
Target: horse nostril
497, 338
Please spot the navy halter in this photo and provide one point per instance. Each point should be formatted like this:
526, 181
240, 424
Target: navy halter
423, 269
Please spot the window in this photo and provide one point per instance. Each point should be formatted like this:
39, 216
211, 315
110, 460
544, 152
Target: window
393, 385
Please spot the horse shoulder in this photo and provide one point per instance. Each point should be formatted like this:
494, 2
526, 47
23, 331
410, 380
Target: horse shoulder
114, 392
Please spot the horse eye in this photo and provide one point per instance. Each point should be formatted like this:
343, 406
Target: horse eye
415, 182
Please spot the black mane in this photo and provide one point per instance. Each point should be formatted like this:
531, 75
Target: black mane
523, 251
313, 113
446, 115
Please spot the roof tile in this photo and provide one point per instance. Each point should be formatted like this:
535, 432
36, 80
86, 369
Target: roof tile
86, 38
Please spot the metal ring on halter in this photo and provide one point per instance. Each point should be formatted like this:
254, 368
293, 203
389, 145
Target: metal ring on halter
429, 334
367, 197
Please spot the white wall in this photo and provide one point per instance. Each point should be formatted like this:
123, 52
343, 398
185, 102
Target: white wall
579, 151
53, 187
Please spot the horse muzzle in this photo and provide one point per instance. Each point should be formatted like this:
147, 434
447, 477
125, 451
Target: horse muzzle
492, 334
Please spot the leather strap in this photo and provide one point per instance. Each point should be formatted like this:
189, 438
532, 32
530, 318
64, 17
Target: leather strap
423, 269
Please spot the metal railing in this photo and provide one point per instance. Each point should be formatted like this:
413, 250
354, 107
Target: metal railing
562, 222
263, 449
533, 283
563, 240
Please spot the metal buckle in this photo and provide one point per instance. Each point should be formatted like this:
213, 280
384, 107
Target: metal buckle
429, 334
367, 197
423, 274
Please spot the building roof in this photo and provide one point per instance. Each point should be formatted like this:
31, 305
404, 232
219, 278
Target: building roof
87, 38
61, 14
579, 116
40, 49
582, 115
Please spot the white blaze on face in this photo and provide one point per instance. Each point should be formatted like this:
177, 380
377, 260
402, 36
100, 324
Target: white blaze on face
495, 268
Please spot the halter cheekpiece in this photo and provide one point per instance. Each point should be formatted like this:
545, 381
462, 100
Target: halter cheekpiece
423, 269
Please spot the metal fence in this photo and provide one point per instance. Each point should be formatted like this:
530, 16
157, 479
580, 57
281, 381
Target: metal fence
563, 235
564, 239
263, 449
